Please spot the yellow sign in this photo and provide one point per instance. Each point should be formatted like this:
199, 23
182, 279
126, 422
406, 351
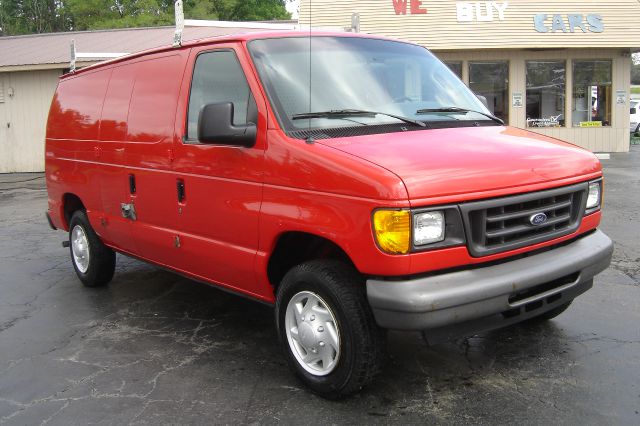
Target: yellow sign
591, 124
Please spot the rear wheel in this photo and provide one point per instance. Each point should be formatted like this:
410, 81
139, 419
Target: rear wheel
93, 262
326, 328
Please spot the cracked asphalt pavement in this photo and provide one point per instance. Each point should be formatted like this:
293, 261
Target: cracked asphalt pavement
156, 348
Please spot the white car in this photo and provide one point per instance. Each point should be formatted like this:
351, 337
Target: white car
635, 116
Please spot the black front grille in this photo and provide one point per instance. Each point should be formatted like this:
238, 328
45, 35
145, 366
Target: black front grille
503, 224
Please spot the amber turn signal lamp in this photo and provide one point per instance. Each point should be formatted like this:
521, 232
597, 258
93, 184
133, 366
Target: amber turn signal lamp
393, 230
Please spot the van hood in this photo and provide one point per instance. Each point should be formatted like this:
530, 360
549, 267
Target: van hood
445, 162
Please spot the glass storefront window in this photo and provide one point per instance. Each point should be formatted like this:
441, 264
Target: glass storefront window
491, 80
456, 67
546, 83
592, 93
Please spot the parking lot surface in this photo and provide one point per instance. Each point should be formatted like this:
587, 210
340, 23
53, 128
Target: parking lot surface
156, 348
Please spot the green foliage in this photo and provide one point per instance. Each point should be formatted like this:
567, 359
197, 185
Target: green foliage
256, 10
39, 16
635, 74
102, 14
31, 16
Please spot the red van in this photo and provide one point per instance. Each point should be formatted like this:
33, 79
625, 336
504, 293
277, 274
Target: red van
353, 182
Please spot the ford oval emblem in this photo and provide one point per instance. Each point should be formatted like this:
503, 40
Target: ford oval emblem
538, 219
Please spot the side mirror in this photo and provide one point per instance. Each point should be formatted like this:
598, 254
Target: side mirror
215, 125
483, 99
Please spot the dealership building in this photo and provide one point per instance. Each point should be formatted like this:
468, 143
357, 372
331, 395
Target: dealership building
560, 68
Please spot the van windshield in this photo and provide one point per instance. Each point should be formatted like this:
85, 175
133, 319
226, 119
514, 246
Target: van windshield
360, 82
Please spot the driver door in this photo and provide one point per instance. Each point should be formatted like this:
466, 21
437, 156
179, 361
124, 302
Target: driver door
219, 187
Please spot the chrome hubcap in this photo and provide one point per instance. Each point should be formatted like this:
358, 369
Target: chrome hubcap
80, 248
313, 333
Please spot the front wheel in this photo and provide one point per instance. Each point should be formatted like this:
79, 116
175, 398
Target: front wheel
326, 328
93, 262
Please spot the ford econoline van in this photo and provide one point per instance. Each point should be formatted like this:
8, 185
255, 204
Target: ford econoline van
352, 182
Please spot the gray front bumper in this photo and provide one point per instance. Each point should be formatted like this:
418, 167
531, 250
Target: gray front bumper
478, 299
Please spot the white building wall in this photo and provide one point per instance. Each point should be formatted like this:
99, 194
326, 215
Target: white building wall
23, 117
436, 24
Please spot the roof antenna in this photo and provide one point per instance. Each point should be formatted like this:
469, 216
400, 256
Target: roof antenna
177, 36
309, 140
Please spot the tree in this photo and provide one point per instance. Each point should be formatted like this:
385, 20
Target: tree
38, 16
635, 74
256, 10
635, 69
104, 14
31, 16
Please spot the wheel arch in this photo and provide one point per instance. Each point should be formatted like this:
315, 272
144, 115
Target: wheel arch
70, 203
292, 248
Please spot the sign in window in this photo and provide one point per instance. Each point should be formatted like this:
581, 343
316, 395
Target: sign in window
546, 85
491, 80
592, 93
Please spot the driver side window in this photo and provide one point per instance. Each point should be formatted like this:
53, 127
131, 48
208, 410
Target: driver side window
218, 77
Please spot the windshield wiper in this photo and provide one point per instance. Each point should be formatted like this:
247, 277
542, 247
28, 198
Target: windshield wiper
342, 113
458, 109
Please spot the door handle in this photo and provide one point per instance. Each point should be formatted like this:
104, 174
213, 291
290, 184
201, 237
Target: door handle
132, 184
181, 190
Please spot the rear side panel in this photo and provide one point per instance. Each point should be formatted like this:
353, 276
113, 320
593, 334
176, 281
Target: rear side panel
71, 152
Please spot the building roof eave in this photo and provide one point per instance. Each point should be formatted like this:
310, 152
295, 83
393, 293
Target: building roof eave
43, 67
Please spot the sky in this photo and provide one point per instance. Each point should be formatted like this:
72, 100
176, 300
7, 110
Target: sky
292, 7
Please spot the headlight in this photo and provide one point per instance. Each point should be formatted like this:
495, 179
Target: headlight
401, 231
428, 227
595, 196
393, 230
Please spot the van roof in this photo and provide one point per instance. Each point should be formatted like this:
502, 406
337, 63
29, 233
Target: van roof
240, 37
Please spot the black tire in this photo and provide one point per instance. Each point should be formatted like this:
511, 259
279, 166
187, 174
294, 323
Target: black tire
550, 314
102, 260
362, 342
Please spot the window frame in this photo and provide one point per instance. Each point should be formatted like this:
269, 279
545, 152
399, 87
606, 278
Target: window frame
508, 118
571, 89
461, 63
567, 66
195, 141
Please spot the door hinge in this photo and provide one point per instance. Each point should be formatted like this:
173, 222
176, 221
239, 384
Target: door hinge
128, 211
